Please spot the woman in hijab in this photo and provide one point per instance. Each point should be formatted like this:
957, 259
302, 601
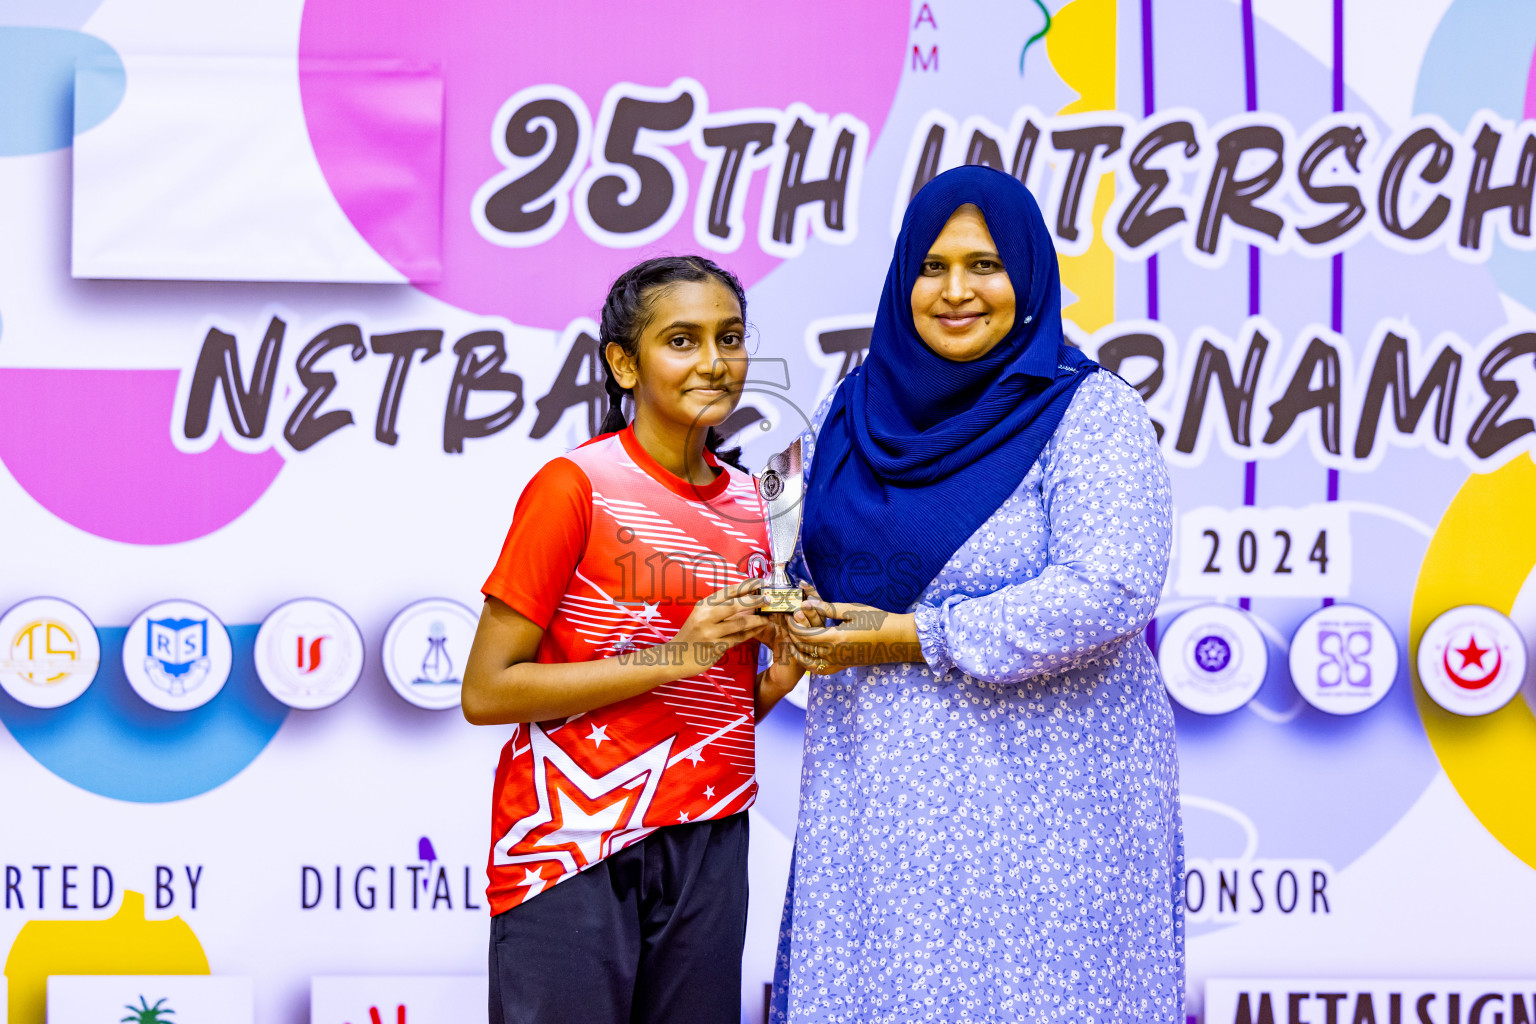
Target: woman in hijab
989, 820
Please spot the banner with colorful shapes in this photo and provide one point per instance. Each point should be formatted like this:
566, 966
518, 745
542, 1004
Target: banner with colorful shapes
295, 296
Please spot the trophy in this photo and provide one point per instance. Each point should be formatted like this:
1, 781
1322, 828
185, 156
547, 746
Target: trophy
782, 486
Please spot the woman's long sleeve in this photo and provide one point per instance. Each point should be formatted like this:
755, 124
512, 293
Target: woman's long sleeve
1109, 504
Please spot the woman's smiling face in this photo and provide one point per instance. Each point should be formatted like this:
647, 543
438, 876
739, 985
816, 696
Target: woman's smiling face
963, 303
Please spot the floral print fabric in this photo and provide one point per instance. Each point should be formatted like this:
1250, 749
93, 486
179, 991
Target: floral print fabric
995, 835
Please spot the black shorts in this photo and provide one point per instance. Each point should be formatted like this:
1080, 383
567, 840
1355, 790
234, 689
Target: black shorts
651, 934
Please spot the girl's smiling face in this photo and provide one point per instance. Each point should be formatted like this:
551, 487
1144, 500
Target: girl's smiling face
691, 358
963, 303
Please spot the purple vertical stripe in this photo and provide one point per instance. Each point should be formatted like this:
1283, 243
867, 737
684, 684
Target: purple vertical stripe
1338, 55
1250, 65
1250, 487
1148, 102
1251, 99
1336, 320
1253, 280
1148, 107
1337, 317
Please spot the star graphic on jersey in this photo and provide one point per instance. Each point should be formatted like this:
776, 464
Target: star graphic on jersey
626, 642
1472, 655
584, 829
649, 611
709, 792
682, 817
695, 756
532, 876
577, 811
599, 735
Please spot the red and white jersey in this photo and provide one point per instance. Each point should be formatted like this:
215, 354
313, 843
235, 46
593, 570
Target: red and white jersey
609, 552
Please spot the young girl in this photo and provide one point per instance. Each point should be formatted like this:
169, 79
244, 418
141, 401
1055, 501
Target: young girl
618, 638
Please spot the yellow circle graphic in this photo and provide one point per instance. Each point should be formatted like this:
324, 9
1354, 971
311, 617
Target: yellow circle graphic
1481, 553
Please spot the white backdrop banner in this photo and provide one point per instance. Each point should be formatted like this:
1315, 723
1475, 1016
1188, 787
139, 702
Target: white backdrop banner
296, 295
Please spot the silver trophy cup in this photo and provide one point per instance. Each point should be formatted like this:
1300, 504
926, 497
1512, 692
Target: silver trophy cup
782, 486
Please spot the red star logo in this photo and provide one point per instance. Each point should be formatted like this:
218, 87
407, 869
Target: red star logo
1472, 655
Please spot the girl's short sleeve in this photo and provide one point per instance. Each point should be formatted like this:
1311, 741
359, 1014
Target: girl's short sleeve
548, 537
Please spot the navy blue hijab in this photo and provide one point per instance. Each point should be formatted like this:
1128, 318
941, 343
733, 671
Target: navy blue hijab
917, 451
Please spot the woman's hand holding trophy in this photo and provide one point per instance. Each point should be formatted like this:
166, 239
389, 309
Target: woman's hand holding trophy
862, 634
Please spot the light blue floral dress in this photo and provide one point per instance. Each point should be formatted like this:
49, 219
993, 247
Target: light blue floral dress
995, 836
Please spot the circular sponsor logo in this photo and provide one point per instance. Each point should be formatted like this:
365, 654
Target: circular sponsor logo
1343, 659
425, 649
49, 652
1213, 659
176, 655
309, 653
1472, 660
772, 484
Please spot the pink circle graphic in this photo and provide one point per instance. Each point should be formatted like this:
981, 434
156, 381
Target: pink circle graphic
93, 448
1530, 88
834, 58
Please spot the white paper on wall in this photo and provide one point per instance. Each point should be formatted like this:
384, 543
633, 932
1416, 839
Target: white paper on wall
428, 999
206, 172
90, 998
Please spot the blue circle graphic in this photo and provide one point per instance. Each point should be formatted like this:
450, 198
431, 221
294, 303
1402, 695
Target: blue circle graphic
112, 743
54, 84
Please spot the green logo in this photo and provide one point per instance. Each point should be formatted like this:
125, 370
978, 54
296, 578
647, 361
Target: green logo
146, 1014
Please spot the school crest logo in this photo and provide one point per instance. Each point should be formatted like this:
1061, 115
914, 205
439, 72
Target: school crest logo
1213, 659
177, 655
1343, 659
425, 649
49, 652
1472, 660
309, 653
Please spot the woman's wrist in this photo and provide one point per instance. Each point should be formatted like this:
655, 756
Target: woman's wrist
932, 643
773, 686
899, 637
893, 639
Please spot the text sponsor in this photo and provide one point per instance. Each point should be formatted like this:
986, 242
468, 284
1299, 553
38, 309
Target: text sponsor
1369, 1001
426, 884
1238, 890
67, 887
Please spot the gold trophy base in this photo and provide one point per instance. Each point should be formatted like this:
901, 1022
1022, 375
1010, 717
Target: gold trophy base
781, 599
